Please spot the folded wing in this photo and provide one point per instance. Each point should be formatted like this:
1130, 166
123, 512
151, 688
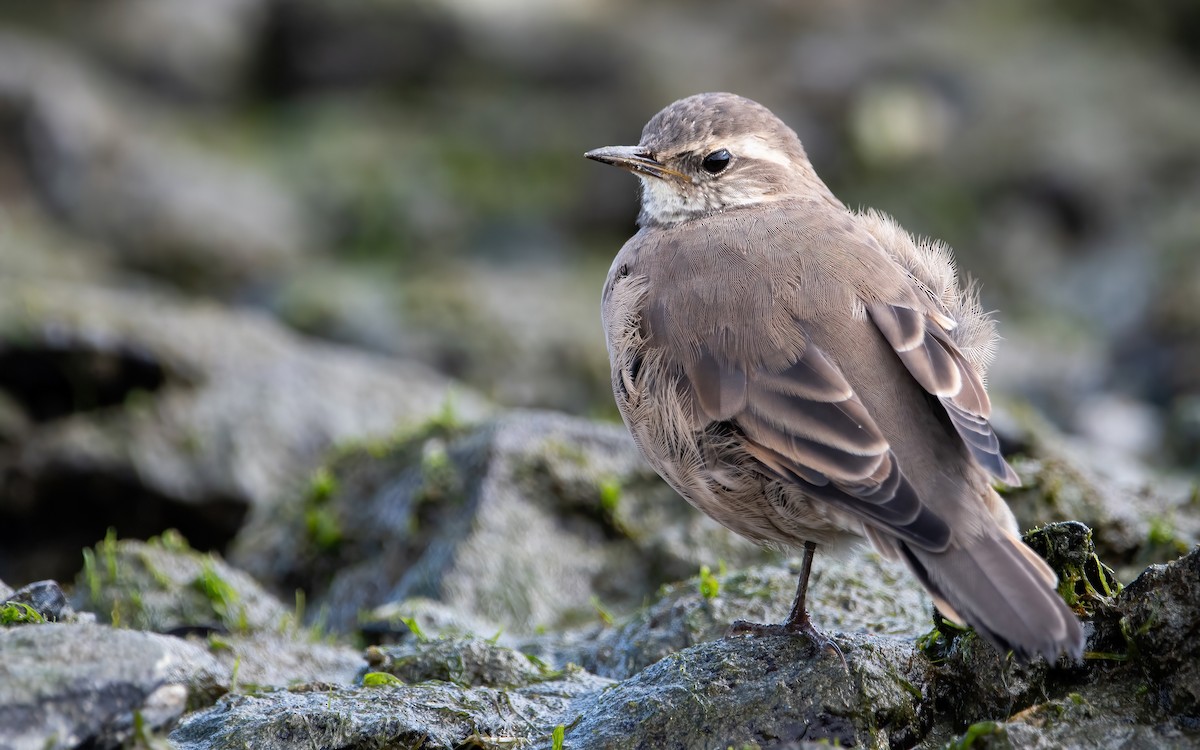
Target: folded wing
935, 362
805, 424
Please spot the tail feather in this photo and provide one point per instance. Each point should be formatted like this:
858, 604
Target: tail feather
1001, 588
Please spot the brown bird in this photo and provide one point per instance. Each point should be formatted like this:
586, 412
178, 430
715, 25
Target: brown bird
806, 374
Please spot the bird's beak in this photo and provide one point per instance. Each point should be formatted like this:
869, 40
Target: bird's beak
637, 160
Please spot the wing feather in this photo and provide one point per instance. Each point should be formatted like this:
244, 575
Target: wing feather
935, 362
806, 425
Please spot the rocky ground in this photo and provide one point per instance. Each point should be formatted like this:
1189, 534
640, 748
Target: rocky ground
305, 438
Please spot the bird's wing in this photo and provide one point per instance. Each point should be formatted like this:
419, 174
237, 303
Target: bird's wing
934, 361
805, 424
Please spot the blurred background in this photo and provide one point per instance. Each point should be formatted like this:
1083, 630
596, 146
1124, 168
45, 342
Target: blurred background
180, 178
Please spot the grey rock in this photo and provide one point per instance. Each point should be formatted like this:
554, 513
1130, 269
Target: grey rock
194, 216
192, 413
467, 662
434, 715
46, 598
769, 691
203, 51
1161, 617
396, 621
163, 586
849, 593
66, 686
532, 520
1136, 517
266, 660
1077, 722
5, 590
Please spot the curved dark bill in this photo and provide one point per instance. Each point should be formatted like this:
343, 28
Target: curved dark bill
635, 159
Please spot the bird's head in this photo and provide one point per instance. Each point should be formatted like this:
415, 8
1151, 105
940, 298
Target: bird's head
712, 152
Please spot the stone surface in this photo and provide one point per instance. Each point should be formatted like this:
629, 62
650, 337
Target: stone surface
532, 520
67, 686
165, 587
769, 690
198, 217
203, 51
1136, 517
453, 705
267, 660
856, 592
194, 415
46, 598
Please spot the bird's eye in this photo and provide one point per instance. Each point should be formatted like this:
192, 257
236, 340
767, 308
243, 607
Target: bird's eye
716, 161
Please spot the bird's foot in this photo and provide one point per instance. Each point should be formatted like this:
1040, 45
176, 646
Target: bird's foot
802, 628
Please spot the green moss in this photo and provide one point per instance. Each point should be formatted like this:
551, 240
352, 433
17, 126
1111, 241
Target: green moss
19, 613
91, 574
605, 616
557, 736
170, 540
610, 494
415, 628
222, 596
710, 587
321, 486
323, 527
991, 733
107, 549
1084, 582
1162, 541
380, 679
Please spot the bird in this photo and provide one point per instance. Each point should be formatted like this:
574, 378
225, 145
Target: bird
807, 374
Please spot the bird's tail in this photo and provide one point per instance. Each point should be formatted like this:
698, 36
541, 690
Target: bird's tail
999, 586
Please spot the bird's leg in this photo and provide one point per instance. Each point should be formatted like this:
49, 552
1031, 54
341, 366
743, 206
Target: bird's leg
797, 622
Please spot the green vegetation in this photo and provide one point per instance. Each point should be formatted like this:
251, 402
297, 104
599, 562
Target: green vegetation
19, 613
610, 494
557, 737
605, 615
380, 679
223, 597
321, 521
976, 732
415, 628
710, 587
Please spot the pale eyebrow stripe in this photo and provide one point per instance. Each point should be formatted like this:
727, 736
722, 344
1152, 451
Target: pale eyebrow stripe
754, 147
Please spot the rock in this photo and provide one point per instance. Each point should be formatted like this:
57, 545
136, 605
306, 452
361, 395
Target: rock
171, 414
468, 662
1073, 722
384, 712
269, 660
396, 621
1161, 622
165, 587
526, 333
66, 686
770, 691
45, 598
193, 216
205, 51
534, 520
1136, 518
853, 592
